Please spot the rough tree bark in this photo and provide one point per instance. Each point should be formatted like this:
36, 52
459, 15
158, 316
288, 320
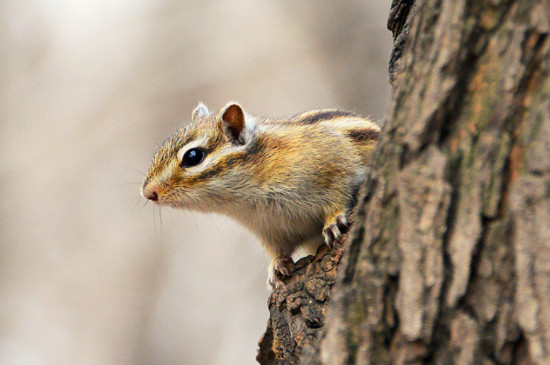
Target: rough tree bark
449, 259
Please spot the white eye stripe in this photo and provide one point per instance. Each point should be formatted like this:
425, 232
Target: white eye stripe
193, 144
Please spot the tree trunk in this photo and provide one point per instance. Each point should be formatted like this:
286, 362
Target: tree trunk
449, 259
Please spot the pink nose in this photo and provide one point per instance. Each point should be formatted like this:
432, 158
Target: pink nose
149, 192
151, 195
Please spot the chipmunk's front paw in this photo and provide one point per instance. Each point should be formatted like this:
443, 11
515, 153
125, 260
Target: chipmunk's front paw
333, 231
284, 265
281, 266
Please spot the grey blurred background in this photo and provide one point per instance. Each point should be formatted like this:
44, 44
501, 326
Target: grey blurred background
88, 89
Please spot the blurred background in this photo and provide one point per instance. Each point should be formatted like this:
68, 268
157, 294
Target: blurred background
88, 89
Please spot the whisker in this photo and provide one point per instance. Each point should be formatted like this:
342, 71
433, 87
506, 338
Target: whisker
172, 218
130, 168
130, 183
197, 228
135, 205
143, 206
155, 222
161, 229
213, 222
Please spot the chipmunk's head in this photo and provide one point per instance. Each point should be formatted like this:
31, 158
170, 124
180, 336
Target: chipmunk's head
195, 168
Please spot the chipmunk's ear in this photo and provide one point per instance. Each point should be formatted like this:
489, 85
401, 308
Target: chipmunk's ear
200, 111
232, 117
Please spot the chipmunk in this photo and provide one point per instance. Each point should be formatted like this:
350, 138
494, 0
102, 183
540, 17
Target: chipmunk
291, 181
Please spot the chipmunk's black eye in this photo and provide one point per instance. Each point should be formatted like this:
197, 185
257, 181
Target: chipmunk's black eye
192, 157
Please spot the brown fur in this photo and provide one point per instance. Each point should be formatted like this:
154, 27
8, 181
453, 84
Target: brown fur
288, 181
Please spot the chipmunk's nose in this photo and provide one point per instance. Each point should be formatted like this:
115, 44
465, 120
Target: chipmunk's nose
149, 192
152, 196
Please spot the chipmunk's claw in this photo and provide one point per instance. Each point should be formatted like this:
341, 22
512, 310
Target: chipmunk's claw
334, 231
284, 265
